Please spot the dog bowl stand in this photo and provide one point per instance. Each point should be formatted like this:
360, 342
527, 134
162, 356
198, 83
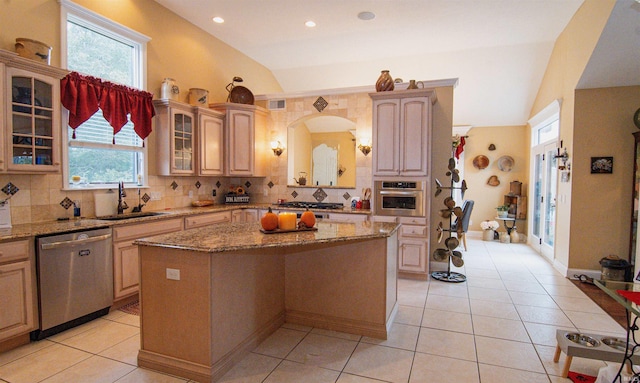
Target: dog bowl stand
600, 352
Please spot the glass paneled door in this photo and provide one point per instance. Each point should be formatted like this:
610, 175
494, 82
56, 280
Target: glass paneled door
545, 173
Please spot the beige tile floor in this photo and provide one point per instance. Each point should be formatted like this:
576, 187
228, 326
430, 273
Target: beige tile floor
497, 327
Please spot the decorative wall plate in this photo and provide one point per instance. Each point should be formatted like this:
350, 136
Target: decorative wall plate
480, 162
505, 163
493, 181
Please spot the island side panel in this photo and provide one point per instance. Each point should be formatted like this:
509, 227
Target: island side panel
392, 277
247, 298
339, 286
176, 315
222, 307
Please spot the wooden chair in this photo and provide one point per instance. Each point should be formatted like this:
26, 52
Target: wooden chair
467, 207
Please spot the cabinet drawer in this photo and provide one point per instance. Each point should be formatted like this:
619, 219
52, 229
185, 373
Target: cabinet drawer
14, 251
207, 219
141, 230
413, 231
348, 217
383, 218
413, 220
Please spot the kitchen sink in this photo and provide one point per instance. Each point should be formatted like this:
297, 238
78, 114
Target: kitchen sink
120, 217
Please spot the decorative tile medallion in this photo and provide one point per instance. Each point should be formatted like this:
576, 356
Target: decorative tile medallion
346, 195
66, 203
218, 184
320, 195
198, 184
320, 104
10, 189
247, 184
174, 185
146, 197
294, 194
271, 185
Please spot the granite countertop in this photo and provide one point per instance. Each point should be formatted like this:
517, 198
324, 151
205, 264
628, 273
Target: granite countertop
241, 236
22, 231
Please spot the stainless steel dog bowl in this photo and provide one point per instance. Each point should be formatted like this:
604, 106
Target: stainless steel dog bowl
617, 343
582, 339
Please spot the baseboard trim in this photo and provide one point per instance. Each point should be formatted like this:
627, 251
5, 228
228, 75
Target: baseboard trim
373, 330
203, 373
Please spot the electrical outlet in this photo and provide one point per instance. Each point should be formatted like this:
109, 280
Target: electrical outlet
155, 196
190, 193
214, 193
173, 274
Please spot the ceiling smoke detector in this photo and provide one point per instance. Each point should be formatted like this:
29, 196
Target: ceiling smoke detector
366, 15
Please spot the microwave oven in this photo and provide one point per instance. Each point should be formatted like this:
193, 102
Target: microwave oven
399, 198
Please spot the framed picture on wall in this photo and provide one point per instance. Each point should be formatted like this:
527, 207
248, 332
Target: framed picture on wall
601, 165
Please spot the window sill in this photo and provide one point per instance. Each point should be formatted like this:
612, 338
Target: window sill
102, 187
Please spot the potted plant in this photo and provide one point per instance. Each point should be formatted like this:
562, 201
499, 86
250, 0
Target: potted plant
503, 211
488, 228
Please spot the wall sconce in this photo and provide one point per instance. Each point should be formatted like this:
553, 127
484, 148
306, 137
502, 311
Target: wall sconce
365, 149
277, 148
365, 145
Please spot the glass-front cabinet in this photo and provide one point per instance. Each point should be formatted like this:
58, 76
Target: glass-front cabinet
182, 141
31, 120
175, 138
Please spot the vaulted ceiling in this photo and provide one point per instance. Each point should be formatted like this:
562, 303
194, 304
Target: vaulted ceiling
498, 49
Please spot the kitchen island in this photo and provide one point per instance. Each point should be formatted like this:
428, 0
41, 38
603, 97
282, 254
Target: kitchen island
210, 295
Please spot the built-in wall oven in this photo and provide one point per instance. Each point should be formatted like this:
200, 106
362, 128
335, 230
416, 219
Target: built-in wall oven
399, 198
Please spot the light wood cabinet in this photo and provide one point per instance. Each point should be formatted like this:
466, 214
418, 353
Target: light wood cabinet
126, 272
207, 219
348, 217
174, 129
413, 246
401, 132
17, 289
189, 139
247, 147
211, 142
31, 115
244, 215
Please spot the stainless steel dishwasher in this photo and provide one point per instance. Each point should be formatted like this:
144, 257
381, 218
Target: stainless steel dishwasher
75, 279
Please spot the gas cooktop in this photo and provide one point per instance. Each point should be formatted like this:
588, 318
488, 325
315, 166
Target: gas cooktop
311, 205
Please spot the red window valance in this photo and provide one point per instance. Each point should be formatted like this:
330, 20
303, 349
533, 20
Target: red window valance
83, 95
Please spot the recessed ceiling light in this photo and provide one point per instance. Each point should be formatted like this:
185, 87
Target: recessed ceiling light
218, 20
366, 15
310, 24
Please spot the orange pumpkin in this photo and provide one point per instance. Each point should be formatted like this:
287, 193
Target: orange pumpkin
308, 218
269, 221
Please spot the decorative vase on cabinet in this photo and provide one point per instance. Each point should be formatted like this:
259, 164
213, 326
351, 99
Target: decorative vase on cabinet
385, 82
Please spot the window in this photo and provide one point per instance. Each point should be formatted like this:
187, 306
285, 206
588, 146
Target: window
95, 46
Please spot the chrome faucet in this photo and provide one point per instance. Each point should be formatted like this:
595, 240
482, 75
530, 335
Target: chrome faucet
122, 205
138, 209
